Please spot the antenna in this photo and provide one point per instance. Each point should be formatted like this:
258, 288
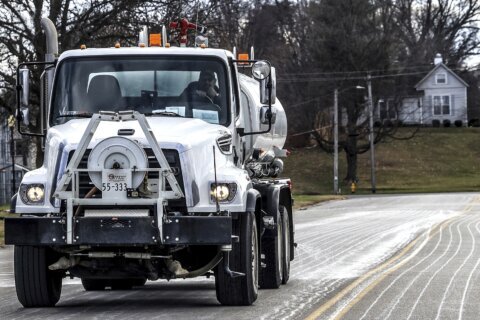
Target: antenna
196, 21
216, 183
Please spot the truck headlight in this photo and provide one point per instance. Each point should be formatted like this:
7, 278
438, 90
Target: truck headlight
33, 194
223, 192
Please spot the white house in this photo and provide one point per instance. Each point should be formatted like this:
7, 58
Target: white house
445, 94
442, 95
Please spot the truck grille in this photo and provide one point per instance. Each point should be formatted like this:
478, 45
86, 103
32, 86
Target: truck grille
173, 159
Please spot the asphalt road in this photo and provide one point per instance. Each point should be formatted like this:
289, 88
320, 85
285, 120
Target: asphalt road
383, 257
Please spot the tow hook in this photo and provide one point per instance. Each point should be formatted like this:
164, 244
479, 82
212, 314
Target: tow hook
226, 262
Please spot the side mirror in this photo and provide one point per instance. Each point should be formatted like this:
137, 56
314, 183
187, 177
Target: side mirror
29, 109
261, 70
265, 74
266, 113
24, 82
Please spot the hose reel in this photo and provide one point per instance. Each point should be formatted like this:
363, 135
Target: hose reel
117, 153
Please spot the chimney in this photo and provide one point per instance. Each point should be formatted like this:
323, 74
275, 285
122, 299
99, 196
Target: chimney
438, 59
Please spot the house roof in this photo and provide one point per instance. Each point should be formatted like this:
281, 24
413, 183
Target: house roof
438, 66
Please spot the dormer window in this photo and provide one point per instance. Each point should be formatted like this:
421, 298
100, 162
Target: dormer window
441, 78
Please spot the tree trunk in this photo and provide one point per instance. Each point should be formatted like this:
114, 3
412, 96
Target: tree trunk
351, 168
351, 153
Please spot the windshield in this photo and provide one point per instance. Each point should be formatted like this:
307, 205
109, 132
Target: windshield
155, 86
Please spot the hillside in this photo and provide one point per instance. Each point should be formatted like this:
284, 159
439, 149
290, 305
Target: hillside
435, 160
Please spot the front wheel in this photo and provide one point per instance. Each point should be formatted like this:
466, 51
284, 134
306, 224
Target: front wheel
244, 258
36, 285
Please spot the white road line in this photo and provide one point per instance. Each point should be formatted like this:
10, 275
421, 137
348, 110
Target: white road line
436, 272
398, 277
416, 278
462, 303
377, 277
456, 271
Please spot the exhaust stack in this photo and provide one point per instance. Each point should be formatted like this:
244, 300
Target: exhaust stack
52, 39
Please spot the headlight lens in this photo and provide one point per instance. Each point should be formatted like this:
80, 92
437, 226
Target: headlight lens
32, 193
223, 192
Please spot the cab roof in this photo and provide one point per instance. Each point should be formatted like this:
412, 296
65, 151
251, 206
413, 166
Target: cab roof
90, 52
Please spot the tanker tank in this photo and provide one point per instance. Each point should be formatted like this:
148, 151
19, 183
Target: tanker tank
267, 146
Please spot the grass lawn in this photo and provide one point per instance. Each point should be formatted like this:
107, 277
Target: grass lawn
305, 200
435, 160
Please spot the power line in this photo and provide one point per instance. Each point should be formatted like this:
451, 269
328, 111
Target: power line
364, 71
298, 78
323, 79
309, 131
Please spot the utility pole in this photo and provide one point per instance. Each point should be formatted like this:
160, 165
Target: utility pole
11, 125
335, 141
371, 137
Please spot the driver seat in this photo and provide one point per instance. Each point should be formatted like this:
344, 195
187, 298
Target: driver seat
104, 94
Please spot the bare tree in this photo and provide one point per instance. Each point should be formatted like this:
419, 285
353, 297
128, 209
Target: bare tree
427, 27
93, 23
345, 39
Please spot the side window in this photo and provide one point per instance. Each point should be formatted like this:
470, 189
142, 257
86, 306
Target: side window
245, 108
243, 101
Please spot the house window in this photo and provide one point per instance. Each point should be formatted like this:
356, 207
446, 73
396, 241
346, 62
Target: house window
441, 78
387, 109
441, 105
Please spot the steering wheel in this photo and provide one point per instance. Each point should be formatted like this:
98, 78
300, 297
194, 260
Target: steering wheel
206, 99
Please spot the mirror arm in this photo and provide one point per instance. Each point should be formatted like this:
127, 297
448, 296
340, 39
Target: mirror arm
242, 133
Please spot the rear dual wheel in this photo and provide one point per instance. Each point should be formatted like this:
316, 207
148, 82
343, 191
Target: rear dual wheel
272, 249
277, 253
287, 244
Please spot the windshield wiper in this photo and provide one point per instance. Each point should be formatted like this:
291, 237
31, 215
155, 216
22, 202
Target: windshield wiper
164, 113
76, 115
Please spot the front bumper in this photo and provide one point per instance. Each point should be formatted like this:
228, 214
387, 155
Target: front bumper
122, 231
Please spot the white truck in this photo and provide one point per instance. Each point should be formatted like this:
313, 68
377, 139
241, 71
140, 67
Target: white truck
144, 179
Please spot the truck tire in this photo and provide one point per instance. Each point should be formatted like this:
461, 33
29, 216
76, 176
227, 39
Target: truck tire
272, 248
36, 285
286, 244
94, 284
244, 258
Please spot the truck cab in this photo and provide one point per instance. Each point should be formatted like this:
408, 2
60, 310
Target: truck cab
160, 162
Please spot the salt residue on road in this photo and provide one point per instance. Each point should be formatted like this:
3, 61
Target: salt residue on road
373, 245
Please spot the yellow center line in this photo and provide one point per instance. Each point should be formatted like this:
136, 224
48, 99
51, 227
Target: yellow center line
339, 296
